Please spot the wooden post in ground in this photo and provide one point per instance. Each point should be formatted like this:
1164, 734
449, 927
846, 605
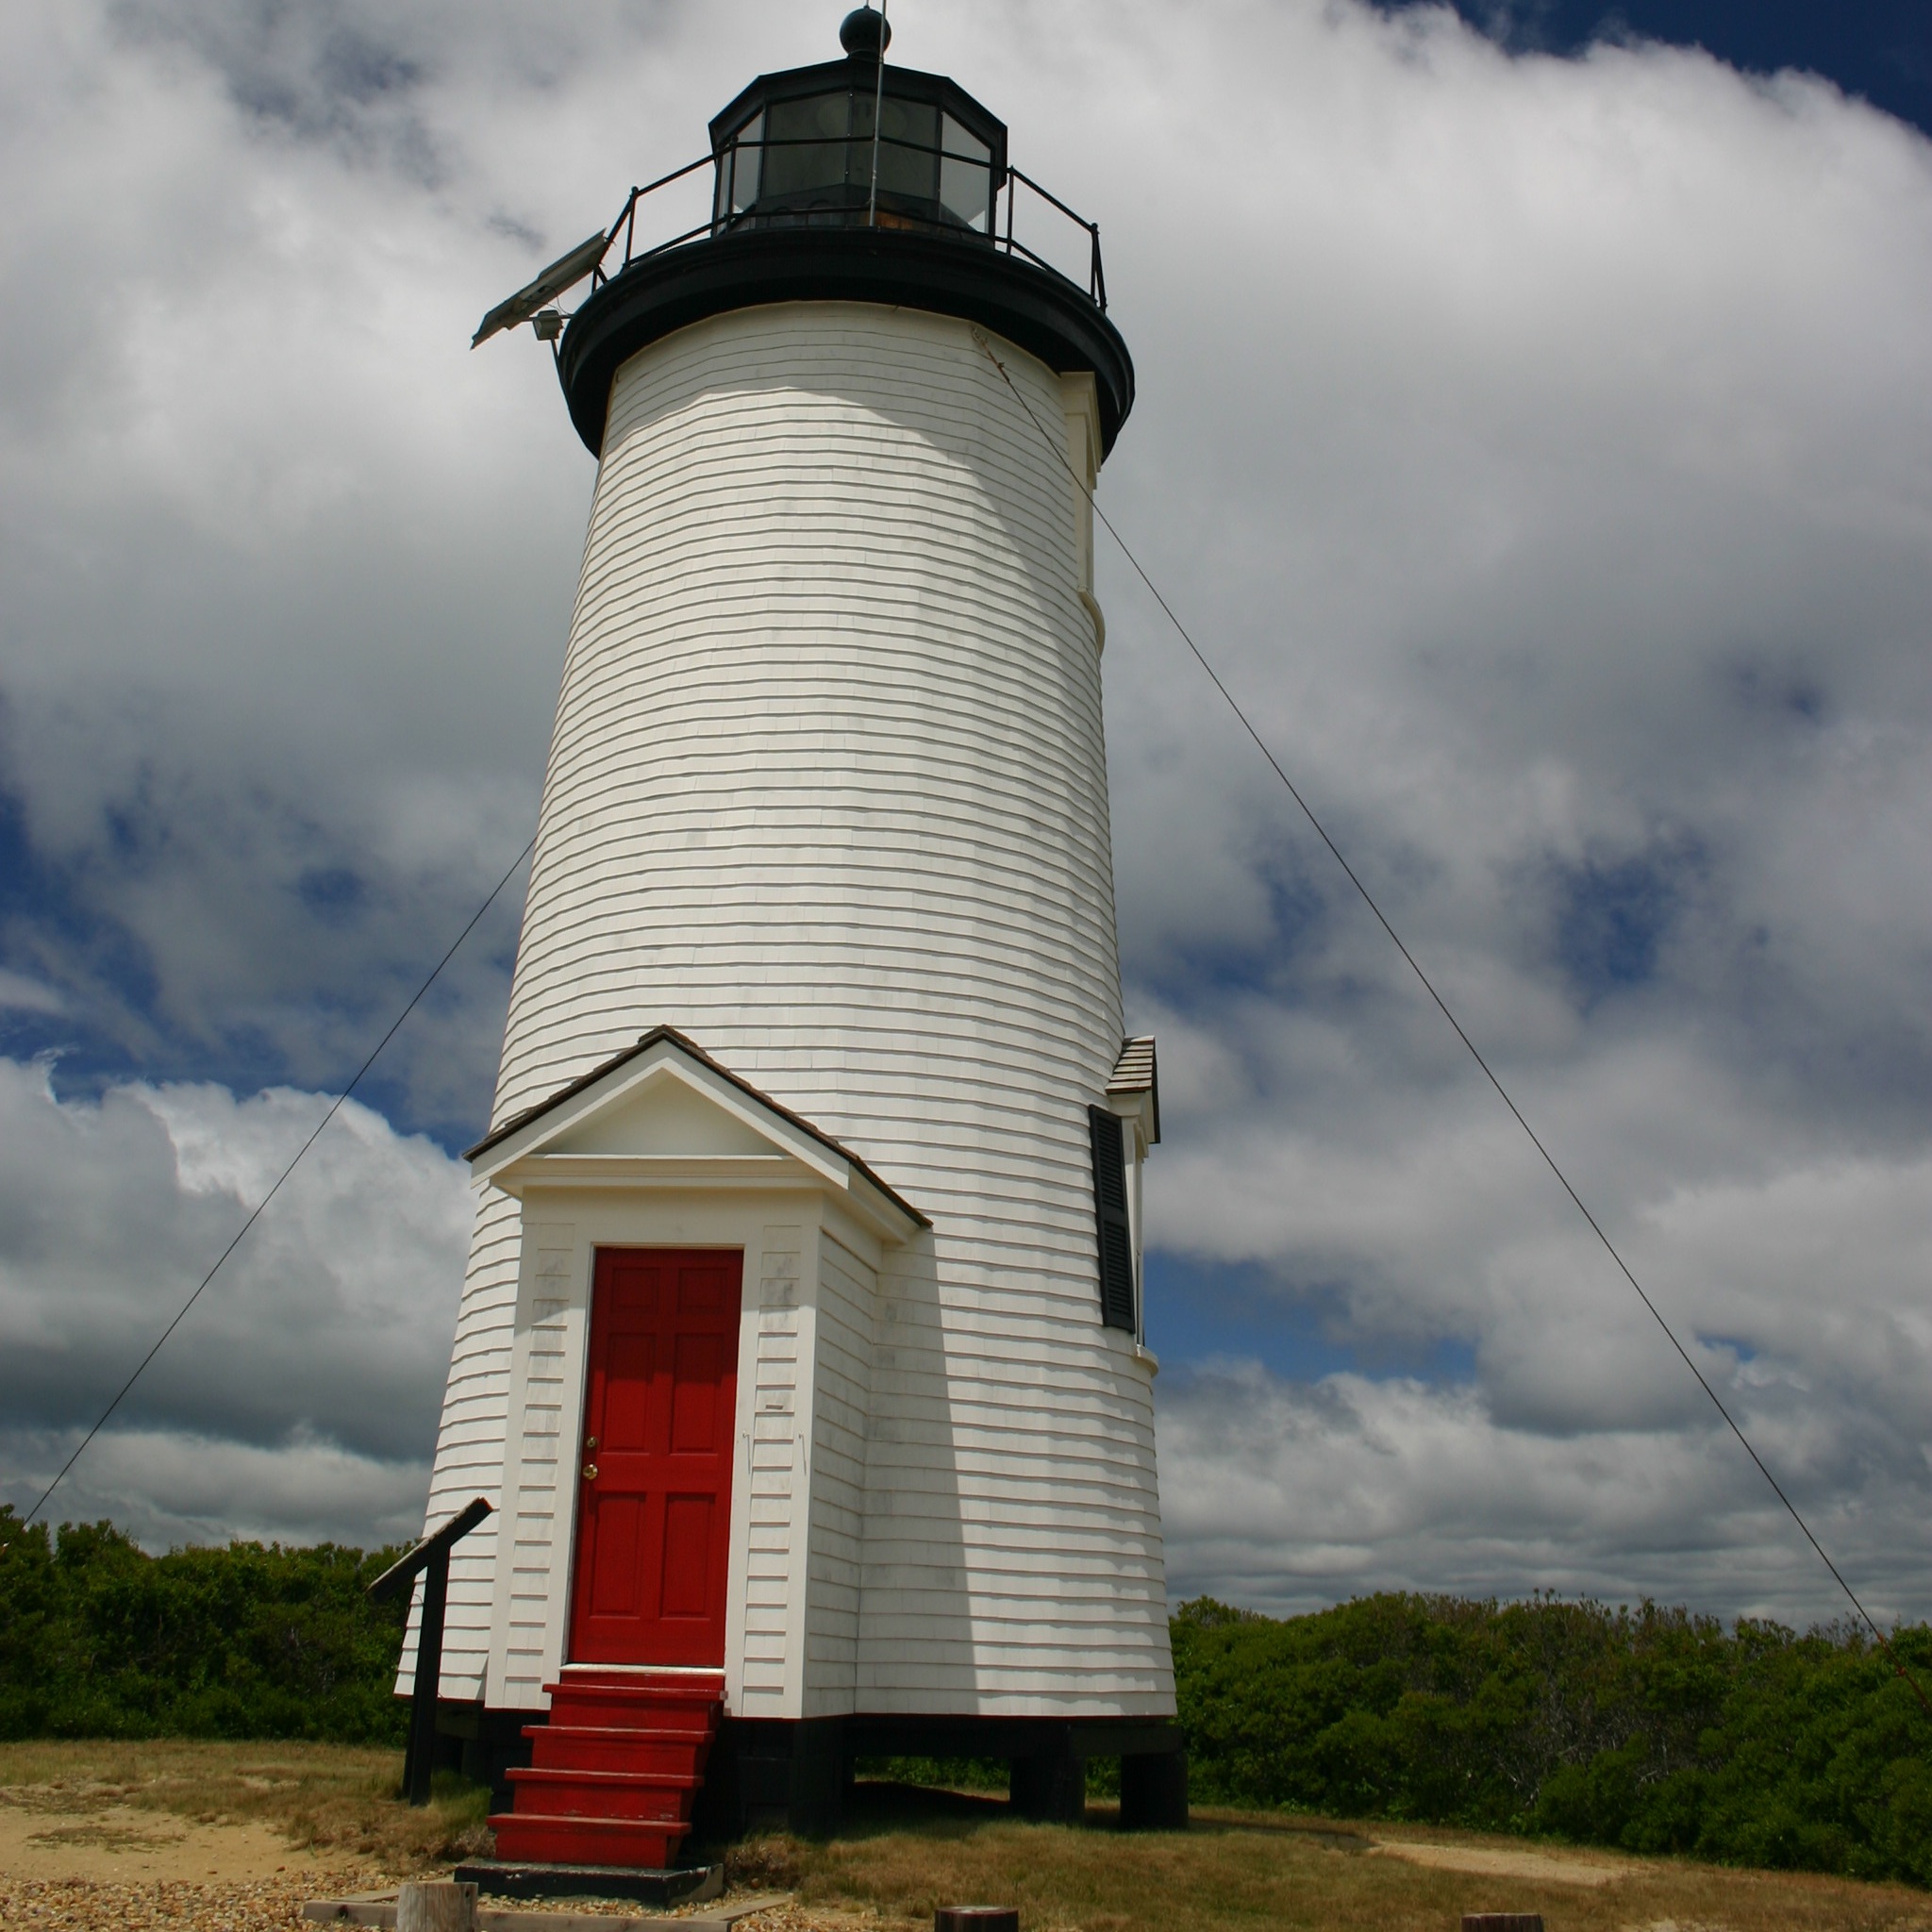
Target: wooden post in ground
436, 1907
422, 1759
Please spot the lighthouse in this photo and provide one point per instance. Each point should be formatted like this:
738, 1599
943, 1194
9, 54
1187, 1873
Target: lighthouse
800, 1349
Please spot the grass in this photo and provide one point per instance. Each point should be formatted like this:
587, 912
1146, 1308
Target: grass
905, 1850
322, 1797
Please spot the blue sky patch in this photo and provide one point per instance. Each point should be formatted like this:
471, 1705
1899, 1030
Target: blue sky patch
1880, 50
1200, 1311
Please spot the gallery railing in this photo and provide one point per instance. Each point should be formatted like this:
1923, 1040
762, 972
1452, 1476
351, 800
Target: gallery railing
853, 202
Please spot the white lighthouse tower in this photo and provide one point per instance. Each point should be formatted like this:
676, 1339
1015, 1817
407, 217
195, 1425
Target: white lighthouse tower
800, 1348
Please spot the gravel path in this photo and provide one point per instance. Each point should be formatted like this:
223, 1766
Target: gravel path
272, 1904
87, 1905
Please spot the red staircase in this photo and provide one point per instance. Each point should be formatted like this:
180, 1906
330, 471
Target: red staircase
615, 1770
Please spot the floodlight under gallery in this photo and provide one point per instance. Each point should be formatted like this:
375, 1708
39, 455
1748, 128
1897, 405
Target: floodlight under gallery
800, 1345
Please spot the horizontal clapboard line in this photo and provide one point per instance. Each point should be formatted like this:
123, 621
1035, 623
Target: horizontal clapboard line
659, 757
1088, 1578
968, 1002
848, 1032
1044, 1645
883, 882
864, 678
671, 971
886, 869
1057, 1461
780, 717
867, 661
881, 875
880, 1051
1089, 1651
712, 929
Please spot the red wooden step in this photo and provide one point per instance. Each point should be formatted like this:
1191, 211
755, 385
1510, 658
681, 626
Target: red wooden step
635, 1706
708, 1684
659, 1798
523, 1839
611, 1747
616, 1769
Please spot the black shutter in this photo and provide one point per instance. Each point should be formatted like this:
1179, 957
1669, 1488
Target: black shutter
1110, 1220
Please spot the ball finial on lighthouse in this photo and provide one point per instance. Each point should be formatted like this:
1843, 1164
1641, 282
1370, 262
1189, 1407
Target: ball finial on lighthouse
801, 1342
865, 33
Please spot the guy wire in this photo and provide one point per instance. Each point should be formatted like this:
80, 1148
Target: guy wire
878, 103
1442, 1006
334, 1108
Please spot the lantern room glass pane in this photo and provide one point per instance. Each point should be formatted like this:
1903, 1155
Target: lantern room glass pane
747, 153
908, 149
804, 149
965, 176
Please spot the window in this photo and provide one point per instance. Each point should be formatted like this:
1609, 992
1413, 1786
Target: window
1114, 1229
747, 150
965, 176
806, 149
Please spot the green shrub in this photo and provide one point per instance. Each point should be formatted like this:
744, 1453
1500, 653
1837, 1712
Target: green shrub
1653, 1729
99, 1638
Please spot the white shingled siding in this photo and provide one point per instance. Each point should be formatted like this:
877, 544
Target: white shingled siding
847, 1312
828, 792
776, 1561
469, 1445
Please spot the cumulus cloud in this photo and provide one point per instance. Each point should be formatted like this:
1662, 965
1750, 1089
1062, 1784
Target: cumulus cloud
1539, 446
1285, 1497
1567, 537
299, 1397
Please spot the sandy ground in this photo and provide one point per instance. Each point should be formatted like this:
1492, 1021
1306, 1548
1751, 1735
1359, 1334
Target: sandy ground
64, 1870
122, 1867
1490, 1862
120, 1844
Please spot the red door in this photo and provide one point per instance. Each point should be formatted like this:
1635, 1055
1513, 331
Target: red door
653, 1486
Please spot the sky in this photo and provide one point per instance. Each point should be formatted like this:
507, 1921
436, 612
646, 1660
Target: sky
1533, 427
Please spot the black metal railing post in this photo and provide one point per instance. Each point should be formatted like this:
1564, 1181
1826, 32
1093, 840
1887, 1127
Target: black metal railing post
430, 1556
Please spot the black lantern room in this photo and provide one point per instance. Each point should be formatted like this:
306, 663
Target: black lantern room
856, 181
849, 143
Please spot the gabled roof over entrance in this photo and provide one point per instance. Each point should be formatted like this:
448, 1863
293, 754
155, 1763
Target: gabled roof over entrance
664, 1113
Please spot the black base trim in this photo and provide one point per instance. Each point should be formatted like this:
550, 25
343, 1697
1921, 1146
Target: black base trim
787, 1774
775, 1774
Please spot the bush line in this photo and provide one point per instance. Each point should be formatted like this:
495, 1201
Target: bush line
1651, 1729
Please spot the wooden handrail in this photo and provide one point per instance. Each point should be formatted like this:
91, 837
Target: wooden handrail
404, 1572
430, 1558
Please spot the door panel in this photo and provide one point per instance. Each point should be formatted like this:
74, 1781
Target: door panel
654, 1483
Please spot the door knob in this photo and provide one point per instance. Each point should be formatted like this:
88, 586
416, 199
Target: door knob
589, 1472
